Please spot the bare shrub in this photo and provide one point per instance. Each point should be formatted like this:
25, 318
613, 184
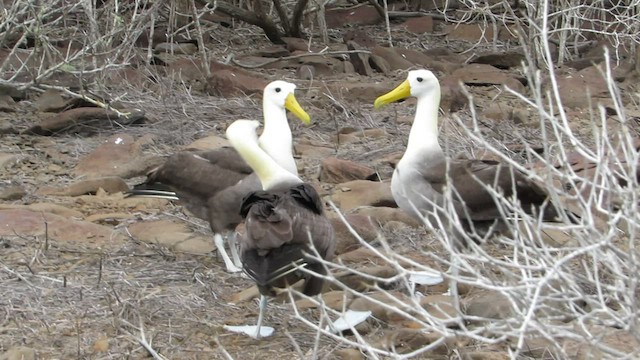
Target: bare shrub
571, 26
567, 288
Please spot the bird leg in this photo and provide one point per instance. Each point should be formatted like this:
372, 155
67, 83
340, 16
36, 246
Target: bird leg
217, 238
233, 247
263, 306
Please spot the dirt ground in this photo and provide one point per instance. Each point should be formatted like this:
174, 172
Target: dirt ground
101, 298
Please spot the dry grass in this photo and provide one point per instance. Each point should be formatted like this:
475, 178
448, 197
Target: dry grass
67, 300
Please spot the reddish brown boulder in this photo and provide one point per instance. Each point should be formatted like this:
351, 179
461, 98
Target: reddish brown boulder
334, 170
484, 75
119, 155
345, 240
419, 25
234, 82
583, 89
71, 119
362, 15
359, 37
395, 60
476, 32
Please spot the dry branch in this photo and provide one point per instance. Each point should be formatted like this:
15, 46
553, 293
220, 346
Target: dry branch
257, 18
231, 58
284, 16
296, 19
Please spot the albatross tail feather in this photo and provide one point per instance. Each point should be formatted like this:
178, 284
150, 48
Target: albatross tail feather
159, 191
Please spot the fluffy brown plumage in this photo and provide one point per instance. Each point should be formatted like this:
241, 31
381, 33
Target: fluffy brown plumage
284, 224
282, 228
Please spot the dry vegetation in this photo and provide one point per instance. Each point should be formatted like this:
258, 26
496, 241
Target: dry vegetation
134, 300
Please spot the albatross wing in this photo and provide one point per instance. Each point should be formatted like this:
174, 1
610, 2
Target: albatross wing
281, 229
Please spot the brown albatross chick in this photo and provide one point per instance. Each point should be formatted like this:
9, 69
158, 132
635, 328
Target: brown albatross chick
212, 183
284, 224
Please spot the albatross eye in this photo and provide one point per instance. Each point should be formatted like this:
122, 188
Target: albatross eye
278, 89
419, 79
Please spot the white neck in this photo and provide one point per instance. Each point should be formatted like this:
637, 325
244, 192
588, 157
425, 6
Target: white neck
270, 173
423, 137
276, 138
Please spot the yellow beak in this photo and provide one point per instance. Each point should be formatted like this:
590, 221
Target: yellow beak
401, 92
291, 104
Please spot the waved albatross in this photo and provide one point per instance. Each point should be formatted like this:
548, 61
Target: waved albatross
283, 223
212, 183
423, 173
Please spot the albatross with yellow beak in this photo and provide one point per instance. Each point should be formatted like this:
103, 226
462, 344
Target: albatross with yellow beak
284, 223
213, 183
421, 177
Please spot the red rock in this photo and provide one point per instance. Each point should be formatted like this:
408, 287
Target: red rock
361, 255
332, 299
488, 305
313, 150
274, 51
210, 142
383, 215
160, 34
419, 25
345, 240
333, 170
173, 235
52, 101
358, 91
501, 60
481, 74
110, 184
582, 89
46, 208
475, 32
498, 112
12, 192
379, 64
348, 354
348, 67
361, 283
439, 306
297, 44
395, 60
370, 303
361, 15
406, 340
485, 355
7, 104
186, 69
128, 75
359, 37
32, 223
306, 72
72, 119
120, 156
453, 98
427, 61
358, 193
8, 160
234, 82
417, 5
185, 48
360, 61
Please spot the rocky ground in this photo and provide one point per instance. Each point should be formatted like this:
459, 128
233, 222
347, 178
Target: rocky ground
88, 273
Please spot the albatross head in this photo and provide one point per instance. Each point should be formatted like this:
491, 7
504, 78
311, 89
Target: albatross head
420, 83
242, 136
242, 132
280, 93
